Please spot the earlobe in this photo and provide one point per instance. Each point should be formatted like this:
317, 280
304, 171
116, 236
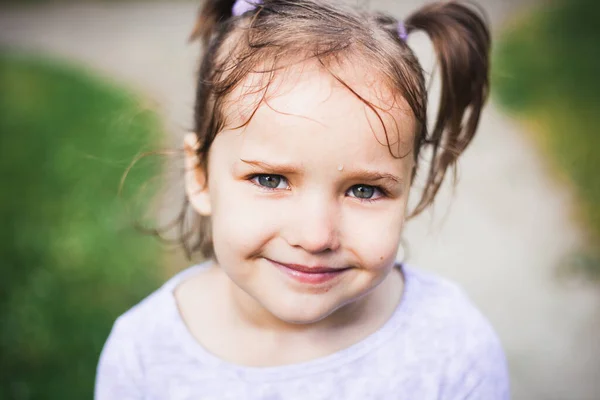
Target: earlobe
196, 182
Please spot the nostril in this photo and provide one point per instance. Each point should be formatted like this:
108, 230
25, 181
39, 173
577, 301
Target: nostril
314, 239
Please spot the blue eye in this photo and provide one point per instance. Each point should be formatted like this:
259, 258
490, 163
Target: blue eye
270, 181
363, 192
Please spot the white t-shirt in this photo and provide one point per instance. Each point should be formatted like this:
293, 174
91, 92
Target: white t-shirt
436, 346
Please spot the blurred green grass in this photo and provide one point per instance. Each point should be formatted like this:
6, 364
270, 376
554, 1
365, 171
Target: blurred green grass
546, 70
71, 261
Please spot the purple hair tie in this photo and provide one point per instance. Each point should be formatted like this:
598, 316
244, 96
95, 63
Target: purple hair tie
402, 33
242, 6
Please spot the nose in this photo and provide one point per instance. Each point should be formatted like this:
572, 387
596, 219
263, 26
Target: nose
314, 224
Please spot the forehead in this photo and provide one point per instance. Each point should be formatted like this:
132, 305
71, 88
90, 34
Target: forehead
347, 104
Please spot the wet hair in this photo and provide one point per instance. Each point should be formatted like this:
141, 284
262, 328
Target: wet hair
275, 33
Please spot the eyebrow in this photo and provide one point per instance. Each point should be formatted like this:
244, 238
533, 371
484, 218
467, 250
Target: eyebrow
358, 174
279, 168
373, 175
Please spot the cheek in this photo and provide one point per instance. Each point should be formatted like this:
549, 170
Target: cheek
241, 223
374, 236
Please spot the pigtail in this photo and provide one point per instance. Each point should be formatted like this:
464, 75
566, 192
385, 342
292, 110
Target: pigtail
462, 42
210, 15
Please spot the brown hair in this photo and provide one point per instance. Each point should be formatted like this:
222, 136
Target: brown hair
279, 30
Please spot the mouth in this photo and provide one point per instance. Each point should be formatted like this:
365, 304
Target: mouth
309, 274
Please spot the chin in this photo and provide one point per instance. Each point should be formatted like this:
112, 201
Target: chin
303, 313
298, 317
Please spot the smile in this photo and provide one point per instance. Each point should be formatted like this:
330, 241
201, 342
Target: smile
309, 275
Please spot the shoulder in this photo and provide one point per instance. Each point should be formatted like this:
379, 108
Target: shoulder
140, 337
144, 327
443, 305
150, 313
448, 323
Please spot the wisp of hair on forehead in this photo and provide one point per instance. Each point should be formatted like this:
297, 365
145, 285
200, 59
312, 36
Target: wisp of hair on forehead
272, 34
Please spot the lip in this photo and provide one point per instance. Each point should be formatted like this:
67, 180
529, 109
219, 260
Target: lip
309, 275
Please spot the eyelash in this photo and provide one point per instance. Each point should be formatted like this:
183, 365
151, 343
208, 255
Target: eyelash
252, 179
382, 191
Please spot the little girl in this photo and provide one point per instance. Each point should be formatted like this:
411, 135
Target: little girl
310, 117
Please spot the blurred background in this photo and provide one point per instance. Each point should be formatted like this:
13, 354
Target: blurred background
87, 86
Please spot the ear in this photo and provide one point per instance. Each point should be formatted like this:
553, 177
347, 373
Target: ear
196, 182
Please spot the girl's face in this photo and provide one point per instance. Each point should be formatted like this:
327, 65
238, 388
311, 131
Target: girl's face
306, 201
